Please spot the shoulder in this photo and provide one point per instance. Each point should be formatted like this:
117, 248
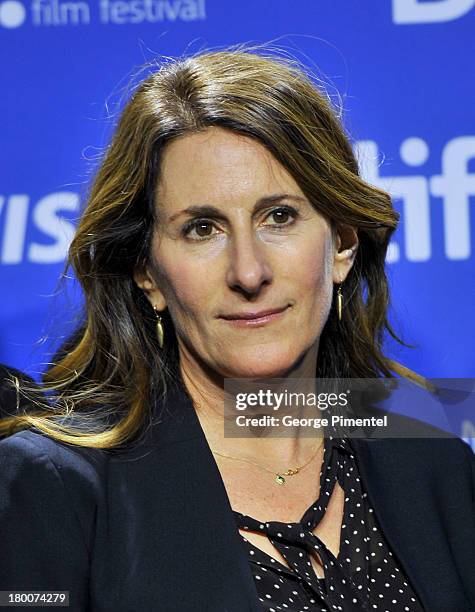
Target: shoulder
49, 494
408, 439
440, 454
83, 472
441, 462
30, 449
39, 472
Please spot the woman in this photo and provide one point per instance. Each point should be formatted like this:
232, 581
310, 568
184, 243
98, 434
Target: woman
228, 235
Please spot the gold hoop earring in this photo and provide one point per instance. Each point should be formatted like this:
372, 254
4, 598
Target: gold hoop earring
160, 332
339, 302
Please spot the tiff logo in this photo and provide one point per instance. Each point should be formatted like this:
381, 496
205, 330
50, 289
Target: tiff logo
14, 13
417, 11
455, 185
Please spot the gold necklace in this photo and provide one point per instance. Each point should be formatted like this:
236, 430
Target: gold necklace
279, 477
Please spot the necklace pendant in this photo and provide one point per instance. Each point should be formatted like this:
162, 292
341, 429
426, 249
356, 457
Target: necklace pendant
280, 480
291, 472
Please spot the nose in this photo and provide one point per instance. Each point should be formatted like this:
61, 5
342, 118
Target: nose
249, 268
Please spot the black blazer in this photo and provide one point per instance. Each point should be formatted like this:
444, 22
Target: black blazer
151, 528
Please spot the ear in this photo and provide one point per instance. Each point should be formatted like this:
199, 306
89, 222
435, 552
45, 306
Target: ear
346, 245
145, 281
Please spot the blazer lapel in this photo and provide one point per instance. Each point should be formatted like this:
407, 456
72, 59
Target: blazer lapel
219, 575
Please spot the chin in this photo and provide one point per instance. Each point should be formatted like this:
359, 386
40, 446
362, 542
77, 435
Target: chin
262, 365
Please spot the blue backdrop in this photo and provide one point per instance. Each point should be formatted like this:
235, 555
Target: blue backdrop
401, 67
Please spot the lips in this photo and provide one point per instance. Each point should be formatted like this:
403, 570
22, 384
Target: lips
248, 315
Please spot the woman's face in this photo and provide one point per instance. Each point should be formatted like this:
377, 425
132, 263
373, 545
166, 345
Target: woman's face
236, 235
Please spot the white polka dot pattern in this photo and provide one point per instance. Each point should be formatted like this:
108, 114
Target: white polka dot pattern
364, 576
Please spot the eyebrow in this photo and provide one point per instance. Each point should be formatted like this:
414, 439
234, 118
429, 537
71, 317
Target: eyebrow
211, 211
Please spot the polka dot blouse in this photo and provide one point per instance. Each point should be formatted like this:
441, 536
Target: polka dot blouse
364, 576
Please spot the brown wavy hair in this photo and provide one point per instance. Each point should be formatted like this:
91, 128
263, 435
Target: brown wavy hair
102, 386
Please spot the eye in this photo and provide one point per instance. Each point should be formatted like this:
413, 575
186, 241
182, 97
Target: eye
201, 227
282, 214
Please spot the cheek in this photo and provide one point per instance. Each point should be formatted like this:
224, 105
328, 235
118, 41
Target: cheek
311, 267
185, 289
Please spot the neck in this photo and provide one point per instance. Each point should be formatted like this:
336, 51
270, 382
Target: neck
270, 448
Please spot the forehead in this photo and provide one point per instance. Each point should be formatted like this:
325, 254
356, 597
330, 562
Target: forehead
221, 165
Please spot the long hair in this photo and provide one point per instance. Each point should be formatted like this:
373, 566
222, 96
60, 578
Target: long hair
102, 387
